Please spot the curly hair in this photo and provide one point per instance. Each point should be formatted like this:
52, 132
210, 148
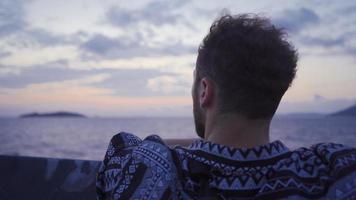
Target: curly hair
251, 62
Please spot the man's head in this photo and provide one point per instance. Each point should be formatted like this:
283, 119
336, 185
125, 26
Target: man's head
244, 67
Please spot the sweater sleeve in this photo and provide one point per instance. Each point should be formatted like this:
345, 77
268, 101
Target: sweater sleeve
341, 161
135, 168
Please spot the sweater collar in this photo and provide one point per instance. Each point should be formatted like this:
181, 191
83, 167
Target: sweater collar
260, 152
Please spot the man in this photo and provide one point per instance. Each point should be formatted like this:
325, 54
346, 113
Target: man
244, 66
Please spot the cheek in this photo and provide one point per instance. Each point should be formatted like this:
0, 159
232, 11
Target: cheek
193, 91
195, 96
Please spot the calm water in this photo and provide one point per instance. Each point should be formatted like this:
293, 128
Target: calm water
88, 138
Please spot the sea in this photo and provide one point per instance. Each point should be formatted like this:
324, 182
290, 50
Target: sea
88, 138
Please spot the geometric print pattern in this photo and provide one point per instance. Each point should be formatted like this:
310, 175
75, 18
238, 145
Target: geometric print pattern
246, 154
136, 169
148, 169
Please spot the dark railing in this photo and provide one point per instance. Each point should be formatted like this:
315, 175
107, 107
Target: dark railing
52, 178
47, 178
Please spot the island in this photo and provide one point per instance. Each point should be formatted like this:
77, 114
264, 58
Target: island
53, 114
351, 111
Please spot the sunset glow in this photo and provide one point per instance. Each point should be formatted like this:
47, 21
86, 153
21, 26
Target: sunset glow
136, 58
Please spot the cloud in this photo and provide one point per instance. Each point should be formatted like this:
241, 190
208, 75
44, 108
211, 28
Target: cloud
82, 95
170, 84
147, 30
4, 54
41, 74
101, 46
65, 87
41, 38
297, 20
341, 44
11, 16
318, 97
29, 57
349, 9
316, 105
145, 82
157, 13
321, 31
133, 82
351, 50
121, 82
45, 38
323, 42
13, 23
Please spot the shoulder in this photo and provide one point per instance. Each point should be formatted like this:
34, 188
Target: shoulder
341, 162
134, 168
151, 149
322, 171
338, 159
327, 160
341, 159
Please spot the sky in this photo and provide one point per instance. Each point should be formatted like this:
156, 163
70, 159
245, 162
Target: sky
136, 58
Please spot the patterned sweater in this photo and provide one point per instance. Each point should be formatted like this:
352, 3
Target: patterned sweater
148, 169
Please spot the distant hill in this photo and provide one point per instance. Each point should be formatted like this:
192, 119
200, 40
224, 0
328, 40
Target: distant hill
53, 114
351, 111
301, 115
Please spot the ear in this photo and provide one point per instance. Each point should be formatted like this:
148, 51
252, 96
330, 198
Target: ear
206, 92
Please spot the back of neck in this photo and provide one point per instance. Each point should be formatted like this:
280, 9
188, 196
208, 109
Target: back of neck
237, 131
